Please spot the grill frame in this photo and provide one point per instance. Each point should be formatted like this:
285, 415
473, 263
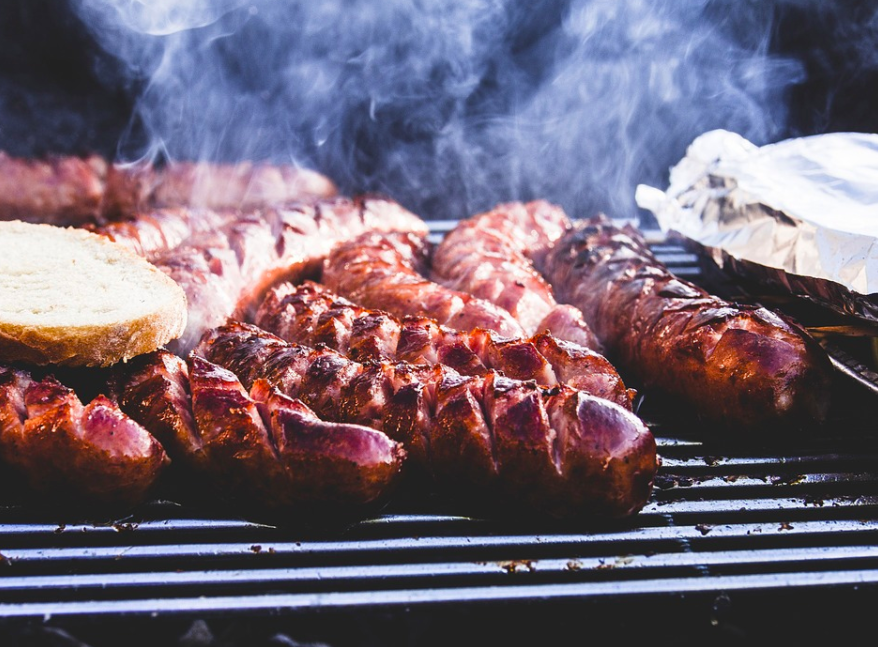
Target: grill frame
735, 541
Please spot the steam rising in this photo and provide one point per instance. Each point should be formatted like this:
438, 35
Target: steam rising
450, 106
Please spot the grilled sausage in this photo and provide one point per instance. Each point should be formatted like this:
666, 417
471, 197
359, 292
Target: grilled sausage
489, 256
86, 454
738, 366
136, 188
226, 261
154, 390
556, 452
264, 452
312, 315
66, 190
384, 271
157, 231
56, 190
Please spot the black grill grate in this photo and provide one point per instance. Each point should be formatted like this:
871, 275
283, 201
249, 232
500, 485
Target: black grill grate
728, 534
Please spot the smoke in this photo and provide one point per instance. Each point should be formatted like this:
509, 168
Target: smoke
450, 107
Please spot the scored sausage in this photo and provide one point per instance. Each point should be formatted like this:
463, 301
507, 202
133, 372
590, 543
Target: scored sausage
739, 366
490, 256
508, 443
85, 454
385, 271
261, 450
311, 314
225, 261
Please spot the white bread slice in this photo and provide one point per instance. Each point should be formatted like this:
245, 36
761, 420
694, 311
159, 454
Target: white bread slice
74, 298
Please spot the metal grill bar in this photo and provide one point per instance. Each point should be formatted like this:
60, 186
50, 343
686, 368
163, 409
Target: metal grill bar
434, 596
368, 574
400, 548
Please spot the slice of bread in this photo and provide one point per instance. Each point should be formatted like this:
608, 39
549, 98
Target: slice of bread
73, 298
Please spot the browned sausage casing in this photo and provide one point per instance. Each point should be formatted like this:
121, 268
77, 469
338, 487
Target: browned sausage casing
384, 271
508, 443
260, 449
311, 314
246, 185
490, 256
226, 261
69, 190
87, 454
56, 190
736, 365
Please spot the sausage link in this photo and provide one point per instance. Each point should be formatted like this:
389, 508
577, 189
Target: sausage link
490, 256
68, 190
87, 455
384, 271
508, 443
311, 314
738, 366
225, 261
266, 453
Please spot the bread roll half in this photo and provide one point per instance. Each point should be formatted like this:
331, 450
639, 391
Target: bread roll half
73, 298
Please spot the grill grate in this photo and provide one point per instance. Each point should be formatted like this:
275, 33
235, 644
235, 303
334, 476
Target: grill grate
728, 536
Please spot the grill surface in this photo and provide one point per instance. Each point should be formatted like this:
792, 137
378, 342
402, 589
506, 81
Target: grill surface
777, 540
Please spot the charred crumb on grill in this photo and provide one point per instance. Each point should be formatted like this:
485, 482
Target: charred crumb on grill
125, 527
517, 565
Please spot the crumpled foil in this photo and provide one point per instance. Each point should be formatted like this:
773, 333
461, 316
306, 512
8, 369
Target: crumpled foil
800, 215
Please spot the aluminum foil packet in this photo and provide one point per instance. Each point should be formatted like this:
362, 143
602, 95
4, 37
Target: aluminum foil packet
800, 215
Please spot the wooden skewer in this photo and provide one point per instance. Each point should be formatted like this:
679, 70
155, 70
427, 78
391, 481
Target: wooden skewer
851, 330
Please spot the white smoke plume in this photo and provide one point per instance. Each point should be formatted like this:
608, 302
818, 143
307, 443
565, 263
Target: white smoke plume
450, 106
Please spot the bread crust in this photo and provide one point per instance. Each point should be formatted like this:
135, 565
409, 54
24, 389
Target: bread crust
103, 342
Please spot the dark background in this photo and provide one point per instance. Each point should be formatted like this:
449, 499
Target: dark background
61, 93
